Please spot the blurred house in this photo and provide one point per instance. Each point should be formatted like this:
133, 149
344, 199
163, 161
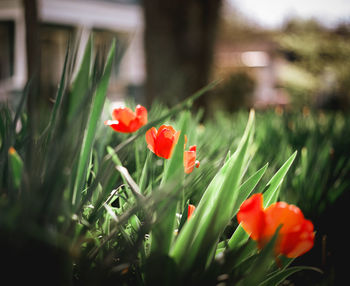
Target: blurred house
245, 48
260, 60
60, 20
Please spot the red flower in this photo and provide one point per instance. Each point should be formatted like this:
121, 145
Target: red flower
296, 235
190, 211
127, 121
163, 141
190, 159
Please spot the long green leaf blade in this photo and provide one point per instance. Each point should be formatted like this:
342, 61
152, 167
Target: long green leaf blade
280, 276
163, 231
89, 135
247, 187
16, 167
80, 85
273, 186
262, 263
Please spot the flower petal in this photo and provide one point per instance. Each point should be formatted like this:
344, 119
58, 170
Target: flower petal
190, 211
117, 126
169, 128
281, 213
123, 115
151, 136
251, 216
111, 122
141, 115
176, 138
189, 161
126, 121
165, 142
134, 125
193, 148
299, 241
296, 235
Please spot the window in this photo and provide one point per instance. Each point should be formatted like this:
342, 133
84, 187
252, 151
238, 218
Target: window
54, 42
6, 49
102, 43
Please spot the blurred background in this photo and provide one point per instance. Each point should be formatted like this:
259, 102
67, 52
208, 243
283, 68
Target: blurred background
290, 60
267, 53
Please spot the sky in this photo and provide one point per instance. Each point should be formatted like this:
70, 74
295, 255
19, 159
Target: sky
273, 13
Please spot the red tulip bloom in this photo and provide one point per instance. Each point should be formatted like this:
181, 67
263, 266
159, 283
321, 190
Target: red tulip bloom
190, 211
163, 141
127, 121
190, 159
296, 235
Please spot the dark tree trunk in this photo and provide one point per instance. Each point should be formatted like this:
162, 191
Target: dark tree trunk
37, 104
179, 41
33, 61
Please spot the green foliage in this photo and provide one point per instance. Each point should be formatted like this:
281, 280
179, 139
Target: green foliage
215, 209
95, 114
235, 92
99, 208
318, 64
15, 167
163, 231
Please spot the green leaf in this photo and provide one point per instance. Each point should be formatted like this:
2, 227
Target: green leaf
163, 231
262, 263
273, 186
200, 234
280, 276
16, 167
247, 187
135, 190
60, 92
174, 165
240, 236
184, 216
114, 156
143, 178
97, 106
81, 82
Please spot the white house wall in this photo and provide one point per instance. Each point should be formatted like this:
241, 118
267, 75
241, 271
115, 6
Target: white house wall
83, 15
97, 14
10, 10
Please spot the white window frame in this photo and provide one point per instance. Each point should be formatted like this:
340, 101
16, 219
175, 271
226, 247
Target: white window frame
84, 15
11, 10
